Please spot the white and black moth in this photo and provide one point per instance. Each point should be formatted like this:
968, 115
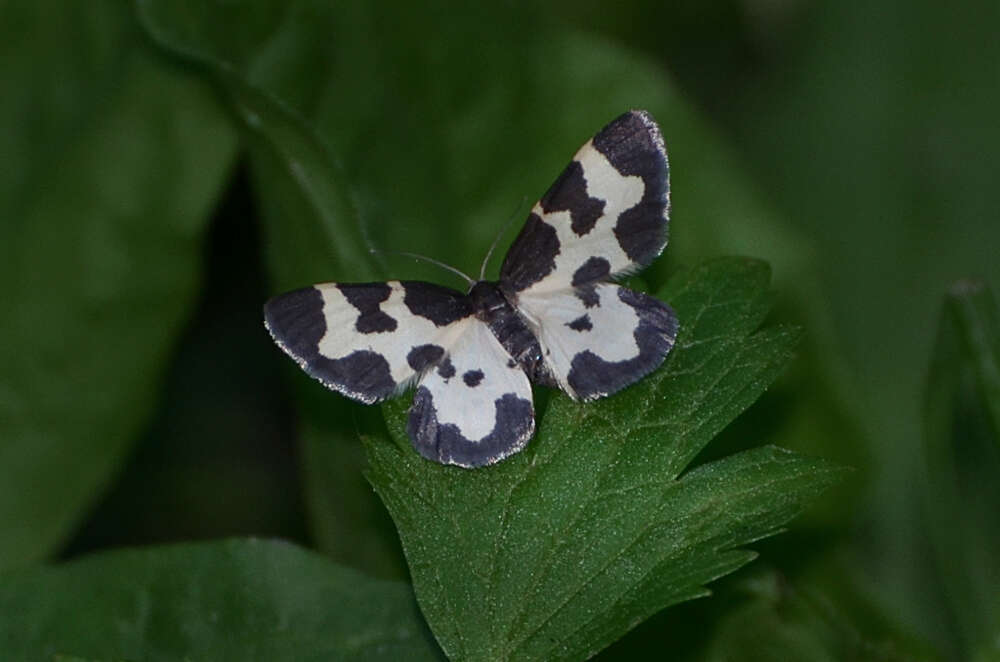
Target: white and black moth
553, 318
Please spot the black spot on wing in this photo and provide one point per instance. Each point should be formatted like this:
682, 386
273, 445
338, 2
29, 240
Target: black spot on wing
581, 323
633, 145
445, 443
569, 193
591, 271
422, 357
367, 297
472, 378
591, 377
446, 369
441, 305
297, 323
532, 256
588, 295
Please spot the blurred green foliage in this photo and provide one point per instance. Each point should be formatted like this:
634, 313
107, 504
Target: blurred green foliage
112, 163
169, 165
228, 600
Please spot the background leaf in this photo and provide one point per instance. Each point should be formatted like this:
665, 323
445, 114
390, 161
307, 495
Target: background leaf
872, 128
114, 167
558, 551
801, 625
311, 234
230, 600
962, 454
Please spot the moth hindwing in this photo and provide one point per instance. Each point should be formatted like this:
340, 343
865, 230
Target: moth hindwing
553, 318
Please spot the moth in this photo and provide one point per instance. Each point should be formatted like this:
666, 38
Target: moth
553, 318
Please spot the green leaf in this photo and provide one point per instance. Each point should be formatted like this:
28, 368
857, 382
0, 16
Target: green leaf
803, 625
561, 549
114, 164
898, 83
973, 311
312, 231
962, 455
230, 600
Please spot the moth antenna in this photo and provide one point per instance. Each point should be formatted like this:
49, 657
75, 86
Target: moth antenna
496, 240
417, 256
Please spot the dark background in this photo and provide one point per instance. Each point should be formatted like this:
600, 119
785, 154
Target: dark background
854, 146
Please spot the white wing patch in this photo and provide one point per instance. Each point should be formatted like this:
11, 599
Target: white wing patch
601, 338
394, 345
476, 404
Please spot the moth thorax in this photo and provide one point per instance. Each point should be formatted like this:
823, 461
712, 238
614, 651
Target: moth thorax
487, 300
